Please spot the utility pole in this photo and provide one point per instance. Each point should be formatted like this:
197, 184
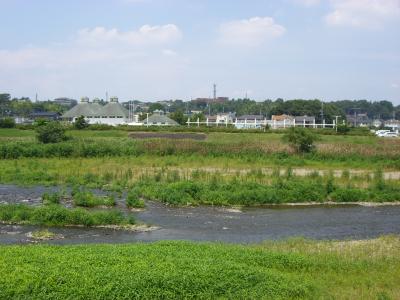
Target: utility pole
336, 122
215, 92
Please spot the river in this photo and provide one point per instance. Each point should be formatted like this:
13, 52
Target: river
249, 225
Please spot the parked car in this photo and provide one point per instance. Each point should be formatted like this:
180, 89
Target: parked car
390, 134
381, 132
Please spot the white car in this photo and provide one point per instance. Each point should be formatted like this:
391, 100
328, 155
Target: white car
390, 135
381, 132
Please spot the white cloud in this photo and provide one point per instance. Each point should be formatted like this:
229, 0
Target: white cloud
145, 35
169, 52
307, 2
93, 59
250, 32
363, 13
93, 45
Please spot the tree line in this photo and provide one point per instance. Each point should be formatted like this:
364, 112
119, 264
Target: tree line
383, 110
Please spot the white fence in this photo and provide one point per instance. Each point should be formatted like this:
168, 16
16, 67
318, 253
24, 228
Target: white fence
260, 124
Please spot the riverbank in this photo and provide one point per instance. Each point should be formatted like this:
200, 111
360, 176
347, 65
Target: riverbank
292, 269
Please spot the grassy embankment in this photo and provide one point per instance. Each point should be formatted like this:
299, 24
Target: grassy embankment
167, 170
294, 269
219, 149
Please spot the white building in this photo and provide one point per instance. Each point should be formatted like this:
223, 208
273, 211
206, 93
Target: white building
113, 113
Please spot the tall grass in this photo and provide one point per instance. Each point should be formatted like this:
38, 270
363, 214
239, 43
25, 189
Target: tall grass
85, 198
236, 146
279, 191
56, 215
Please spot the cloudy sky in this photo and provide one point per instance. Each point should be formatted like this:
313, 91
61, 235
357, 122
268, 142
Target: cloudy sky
167, 49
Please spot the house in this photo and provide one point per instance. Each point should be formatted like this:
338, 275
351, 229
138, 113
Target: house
304, 120
393, 124
250, 121
377, 123
47, 115
278, 121
221, 119
360, 120
225, 118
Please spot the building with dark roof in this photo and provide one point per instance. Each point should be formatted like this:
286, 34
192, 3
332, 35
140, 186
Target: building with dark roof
48, 115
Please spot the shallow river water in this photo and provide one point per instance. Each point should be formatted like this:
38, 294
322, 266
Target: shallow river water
250, 225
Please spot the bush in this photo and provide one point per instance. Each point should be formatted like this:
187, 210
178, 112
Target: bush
88, 199
133, 199
350, 195
343, 129
7, 123
80, 123
301, 139
52, 132
53, 198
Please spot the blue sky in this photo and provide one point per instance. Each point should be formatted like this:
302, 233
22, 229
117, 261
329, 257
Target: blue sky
175, 49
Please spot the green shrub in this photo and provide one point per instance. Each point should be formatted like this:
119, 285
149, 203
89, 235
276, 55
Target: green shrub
88, 199
300, 139
343, 129
7, 123
80, 123
51, 198
52, 132
350, 195
133, 199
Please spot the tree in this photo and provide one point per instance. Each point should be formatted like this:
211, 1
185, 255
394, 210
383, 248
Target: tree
156, 106
7, 123
179, 117
5, 98
300, 139
200, 116
80, 123
52, 132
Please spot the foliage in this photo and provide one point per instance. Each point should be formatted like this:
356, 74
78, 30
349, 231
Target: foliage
280, 191
290, 269
40, 122
88, 199
343, 129
301, 139
52, 132
57, 215
133, 199
156, 106
80, 123
7, 123
200, 116
179, 117
52, 198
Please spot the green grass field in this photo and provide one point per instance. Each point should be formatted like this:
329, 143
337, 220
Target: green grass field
294, 269
234, 150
